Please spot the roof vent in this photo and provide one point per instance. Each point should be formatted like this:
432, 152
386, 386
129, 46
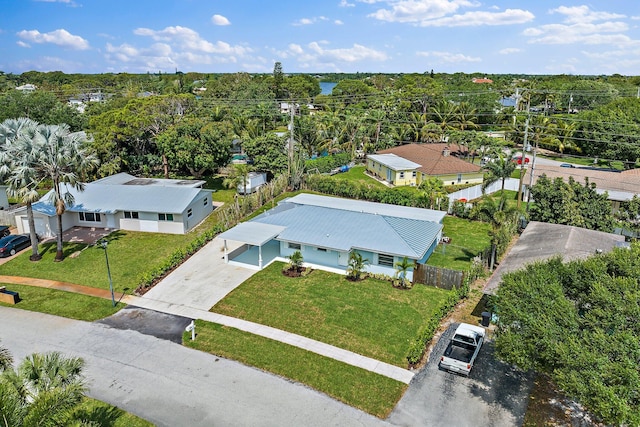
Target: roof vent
446, 152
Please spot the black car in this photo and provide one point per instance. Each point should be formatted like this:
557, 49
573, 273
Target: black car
12, 244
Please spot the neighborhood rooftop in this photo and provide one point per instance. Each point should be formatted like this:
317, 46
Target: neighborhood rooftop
394, 162
432, 160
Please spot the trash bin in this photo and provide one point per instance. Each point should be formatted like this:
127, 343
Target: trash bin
486, 318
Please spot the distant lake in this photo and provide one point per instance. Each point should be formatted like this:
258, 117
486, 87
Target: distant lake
327, 87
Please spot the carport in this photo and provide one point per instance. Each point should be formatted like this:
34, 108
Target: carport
253, 235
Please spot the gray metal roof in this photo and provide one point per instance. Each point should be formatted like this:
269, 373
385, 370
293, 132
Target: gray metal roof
343, 230
253, 233
98, 197
367, 207
394, 162
123, 178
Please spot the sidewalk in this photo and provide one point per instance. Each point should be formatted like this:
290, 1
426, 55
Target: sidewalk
345, 356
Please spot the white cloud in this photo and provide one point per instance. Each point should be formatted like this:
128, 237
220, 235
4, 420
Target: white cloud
190, 40
418, 10
509, 50
309, 21
60, 37
449, 57
67, 2
338, 22
317, 55
478, 18
220, 20
582, 14
345, 3
22, 44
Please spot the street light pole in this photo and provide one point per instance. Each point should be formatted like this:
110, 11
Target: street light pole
104, 243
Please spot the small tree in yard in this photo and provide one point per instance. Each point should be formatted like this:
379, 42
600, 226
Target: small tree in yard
356, 266
402, 268
294, 266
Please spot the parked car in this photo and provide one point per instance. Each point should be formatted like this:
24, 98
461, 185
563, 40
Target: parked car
12, 244
567, 165
463, 349
4, 230
518, 160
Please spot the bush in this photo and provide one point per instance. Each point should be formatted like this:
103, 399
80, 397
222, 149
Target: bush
327, 163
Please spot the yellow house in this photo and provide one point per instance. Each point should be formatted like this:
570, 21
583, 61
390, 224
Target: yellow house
393, 169
410, 164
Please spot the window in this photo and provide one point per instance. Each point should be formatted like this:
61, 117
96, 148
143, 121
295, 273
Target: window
321, 249
130, 215
189, 213
206, 201
89, 216
165, 217
402, 175
386, 260
414, 174
295, 246
459, 178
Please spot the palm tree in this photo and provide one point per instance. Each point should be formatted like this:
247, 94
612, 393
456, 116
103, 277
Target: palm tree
357, 264
239, 176
402, 268
17, 156
5, 359
433, 189
295, 262
44, 390
503, 220
63, 159
500, 168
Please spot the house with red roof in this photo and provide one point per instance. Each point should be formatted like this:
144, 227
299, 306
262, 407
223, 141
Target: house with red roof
410, 164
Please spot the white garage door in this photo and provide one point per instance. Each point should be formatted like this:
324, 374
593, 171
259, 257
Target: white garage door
41, 228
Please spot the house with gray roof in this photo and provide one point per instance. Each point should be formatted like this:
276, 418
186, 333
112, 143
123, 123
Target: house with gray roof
325, 229
125, 202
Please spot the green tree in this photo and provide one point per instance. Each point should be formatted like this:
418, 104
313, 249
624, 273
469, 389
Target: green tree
6, 360
43, 391
278, 81
64, 160
402, 268
356, 266
17, 166
434, 192
239, 176
500, 168
268, 153
296, 260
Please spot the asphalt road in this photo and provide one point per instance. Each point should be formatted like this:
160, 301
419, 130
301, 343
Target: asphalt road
495, 394
171, 385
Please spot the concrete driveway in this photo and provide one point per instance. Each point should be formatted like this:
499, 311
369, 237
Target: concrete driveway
171, 385
495, 394
201, 281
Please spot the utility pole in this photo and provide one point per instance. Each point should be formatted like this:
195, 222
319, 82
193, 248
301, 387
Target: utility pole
290, 146
523, 157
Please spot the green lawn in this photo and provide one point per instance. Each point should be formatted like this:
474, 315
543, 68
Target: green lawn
468, 238
357, 387
356, 174
222, 193
97, 413
368, 317
130, 255
61, 303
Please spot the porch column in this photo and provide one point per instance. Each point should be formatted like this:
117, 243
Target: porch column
260, 257
226, 252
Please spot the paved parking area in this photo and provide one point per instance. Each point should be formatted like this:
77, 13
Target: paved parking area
201, 281
495, 394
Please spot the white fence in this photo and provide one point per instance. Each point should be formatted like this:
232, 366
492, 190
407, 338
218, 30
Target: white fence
475, 192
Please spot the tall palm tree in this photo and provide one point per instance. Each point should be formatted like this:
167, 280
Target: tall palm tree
239, 176
44, 390
402, 268
433, 189
17, 156
63, 159
498, 169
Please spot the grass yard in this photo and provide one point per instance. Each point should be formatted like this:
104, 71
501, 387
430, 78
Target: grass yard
356, 387
356, 174
130, 255
95, 412
61, 303
368, 317
222, 193
468, 238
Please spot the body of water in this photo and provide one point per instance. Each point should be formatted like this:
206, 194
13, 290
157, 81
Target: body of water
327, 87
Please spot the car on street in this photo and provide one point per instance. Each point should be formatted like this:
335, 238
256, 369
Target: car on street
518, 160
567, 165
14, 243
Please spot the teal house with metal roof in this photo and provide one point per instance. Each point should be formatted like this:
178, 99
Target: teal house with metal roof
325, 229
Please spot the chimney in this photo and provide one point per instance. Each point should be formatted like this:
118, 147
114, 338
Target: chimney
446, 152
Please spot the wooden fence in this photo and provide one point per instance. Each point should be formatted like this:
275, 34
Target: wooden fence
437, 276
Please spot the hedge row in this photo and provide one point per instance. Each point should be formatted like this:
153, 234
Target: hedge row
327, 163
419, 344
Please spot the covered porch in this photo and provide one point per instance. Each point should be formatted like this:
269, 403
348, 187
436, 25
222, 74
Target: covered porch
258, 248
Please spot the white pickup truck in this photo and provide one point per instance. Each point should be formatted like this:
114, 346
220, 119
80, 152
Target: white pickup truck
463, 349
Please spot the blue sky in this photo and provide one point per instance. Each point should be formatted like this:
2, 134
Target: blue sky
315, 36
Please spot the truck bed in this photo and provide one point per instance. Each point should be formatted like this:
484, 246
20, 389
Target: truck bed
459, 351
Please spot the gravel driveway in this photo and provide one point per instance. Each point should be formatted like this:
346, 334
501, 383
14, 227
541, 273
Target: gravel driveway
495, 394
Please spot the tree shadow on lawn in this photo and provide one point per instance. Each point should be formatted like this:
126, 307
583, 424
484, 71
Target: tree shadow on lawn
67, 248
102, 415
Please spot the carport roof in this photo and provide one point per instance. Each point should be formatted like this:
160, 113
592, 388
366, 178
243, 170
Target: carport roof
253, 233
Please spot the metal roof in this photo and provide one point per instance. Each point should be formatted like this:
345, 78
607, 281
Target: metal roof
253, 233
102, 198
123, 178
367, 207
344, 230
394, 162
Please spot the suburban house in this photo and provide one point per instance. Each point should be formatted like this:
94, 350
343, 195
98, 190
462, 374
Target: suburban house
125, 202
325, 229
411, 164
